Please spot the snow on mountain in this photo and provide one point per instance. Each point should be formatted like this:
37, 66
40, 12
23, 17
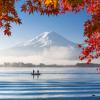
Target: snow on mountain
46, 39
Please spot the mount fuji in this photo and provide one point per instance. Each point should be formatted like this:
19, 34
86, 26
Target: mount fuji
46, 40
48, 46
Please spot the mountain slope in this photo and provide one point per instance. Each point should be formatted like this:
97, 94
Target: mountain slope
47, 39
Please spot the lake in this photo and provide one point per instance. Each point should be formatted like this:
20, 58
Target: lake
53, 84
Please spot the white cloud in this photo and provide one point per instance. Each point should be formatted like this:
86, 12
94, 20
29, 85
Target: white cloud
37, 60
61, 53
53, 55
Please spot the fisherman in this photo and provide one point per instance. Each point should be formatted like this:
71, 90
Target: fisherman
38, 72
33, 71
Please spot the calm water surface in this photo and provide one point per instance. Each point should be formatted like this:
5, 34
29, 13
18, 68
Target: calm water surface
53, 84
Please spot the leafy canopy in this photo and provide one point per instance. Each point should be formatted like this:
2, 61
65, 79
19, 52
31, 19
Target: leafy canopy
91, 48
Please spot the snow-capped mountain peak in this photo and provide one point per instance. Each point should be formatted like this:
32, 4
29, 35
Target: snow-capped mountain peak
47, 39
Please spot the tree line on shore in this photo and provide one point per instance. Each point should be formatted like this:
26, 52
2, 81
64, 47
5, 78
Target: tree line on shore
21, 64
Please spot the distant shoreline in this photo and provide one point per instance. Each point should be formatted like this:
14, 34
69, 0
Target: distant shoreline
21, 64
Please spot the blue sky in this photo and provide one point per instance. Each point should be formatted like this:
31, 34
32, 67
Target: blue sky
69, 25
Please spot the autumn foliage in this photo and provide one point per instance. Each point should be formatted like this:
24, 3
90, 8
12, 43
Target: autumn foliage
91, 47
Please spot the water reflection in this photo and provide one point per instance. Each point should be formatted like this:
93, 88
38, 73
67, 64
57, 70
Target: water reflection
36, 76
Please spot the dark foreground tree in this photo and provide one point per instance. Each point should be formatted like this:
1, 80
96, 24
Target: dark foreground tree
91, 48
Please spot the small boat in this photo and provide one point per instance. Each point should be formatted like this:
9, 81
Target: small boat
35, 73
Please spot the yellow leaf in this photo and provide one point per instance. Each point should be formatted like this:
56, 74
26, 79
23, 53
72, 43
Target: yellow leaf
51, 2
55, 3
48, 2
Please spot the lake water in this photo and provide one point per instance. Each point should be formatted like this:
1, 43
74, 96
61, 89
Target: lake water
53, 84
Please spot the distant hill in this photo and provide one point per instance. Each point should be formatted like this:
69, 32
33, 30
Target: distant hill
21, 64
87, 65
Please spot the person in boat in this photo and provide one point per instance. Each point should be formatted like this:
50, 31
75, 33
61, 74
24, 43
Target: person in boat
38, 72
33, 72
